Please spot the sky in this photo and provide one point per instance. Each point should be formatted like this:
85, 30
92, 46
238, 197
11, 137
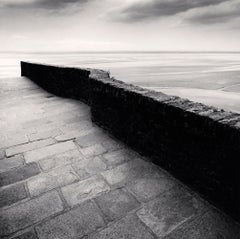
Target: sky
119, 25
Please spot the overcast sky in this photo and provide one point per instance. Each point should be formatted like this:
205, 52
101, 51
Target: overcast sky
135, 25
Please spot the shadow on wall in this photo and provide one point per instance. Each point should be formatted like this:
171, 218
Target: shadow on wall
198, 144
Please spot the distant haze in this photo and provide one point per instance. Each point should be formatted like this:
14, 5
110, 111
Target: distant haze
117, 25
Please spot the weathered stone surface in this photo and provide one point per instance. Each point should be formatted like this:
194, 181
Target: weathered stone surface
41, 153
92, 166
76, 223
52, 179
61, 159
27, 147
12, 194
91, 139
10, 163
19, 174
129, 227
116, 204
14, 140
209, 226
112, 144
27, 213
2, 153
28, 235
81, 191
168, 211
44, 134
150, 186
93, 150
118, 157
127, 172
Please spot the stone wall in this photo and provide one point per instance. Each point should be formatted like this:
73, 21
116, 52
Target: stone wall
198, 144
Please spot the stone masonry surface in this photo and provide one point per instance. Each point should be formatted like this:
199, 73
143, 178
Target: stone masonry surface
93, 188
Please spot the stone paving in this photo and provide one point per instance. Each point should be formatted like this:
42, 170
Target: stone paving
61, 176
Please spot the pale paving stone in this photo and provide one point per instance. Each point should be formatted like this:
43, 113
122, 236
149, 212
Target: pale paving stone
27, 213
27, 147
81, 191
76, 223
118, 157
8, 142
47, 151
93, 150
92, 166
116, 204
61, 159
91, 139
129, 171
150, 186
45, 134
129, 227
52, 179
10, 163
112, 144
211, 225
169, 210
74, 134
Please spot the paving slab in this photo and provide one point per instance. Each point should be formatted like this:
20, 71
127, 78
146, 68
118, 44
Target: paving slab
28, 147
76, 223
116, 204
84, 190
129, 227
7, 164
168, 211
52, 179
19, 174
60, 159
12, 194
36, 155
27, 213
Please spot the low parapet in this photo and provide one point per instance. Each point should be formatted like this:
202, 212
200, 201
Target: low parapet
198, 144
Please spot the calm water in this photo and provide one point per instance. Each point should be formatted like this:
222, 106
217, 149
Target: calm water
211, 78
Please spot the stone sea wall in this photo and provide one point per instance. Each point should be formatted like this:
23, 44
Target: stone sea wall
198, 144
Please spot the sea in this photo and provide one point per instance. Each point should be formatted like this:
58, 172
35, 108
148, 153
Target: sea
212, 78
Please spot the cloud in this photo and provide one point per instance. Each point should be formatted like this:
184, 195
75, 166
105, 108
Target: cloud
139, 10
221, 13
47, 5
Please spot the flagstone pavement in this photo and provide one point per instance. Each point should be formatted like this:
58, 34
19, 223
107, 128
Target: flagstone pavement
61, 177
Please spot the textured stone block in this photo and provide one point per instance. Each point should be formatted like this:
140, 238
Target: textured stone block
94, 150
168, 211
47, 151
118, 157
44, 134
52, 179
150, 186
76, 223
27, 213
10, 163
127, 172
81, 191
92, 166
27, 147
19, 174
28, 235
2, 154
116, 204
91, 139
12, 194
61, 159
129, 227
14, 140
112, 144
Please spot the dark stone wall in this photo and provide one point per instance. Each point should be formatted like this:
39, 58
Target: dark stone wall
198, 144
